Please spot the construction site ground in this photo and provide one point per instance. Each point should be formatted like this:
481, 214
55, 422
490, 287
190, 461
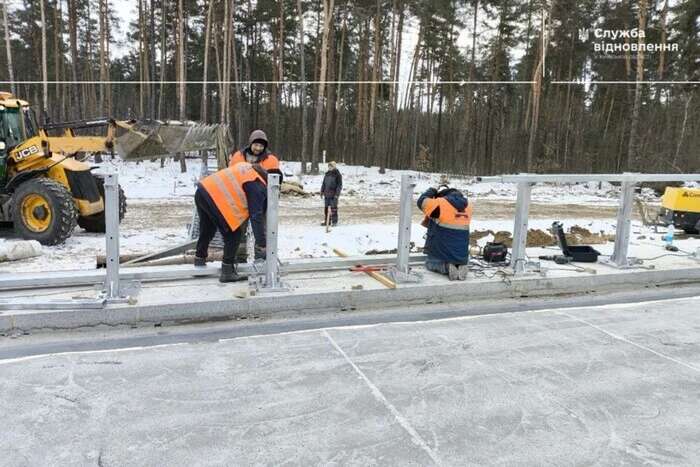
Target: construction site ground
587, 385
205, 299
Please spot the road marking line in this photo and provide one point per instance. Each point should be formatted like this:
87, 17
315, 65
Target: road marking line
623, 339
380, 397
86, 352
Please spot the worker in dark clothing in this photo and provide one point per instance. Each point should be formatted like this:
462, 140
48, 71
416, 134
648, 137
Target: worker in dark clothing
225, 201
447, 217
258, 152
330, 190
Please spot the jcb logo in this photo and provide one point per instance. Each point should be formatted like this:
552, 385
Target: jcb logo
26, 152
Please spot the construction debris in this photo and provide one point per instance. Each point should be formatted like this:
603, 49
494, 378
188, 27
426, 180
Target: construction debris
539, 238
15, 251
294, 189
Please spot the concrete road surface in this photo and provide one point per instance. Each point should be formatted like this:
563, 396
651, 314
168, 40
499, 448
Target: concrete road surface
610, 385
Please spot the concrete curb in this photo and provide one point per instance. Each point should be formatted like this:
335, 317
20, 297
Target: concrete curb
300, 304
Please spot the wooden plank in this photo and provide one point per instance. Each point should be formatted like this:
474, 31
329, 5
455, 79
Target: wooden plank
374, 275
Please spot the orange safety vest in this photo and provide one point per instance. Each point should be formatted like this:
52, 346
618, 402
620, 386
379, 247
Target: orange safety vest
269, 163
449, 217
225, 188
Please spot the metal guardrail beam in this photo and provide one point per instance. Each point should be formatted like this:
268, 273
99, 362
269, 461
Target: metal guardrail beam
629, 180
57, 279
580, 178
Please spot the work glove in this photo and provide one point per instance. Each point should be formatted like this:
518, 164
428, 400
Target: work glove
260, 252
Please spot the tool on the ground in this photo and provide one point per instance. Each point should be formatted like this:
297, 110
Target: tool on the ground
374, 275
559, 259
578, 253
328, 220
495, 252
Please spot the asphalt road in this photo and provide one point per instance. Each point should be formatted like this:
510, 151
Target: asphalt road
593, 385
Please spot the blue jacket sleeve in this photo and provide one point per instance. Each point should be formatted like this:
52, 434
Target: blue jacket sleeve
256, 193
429, 193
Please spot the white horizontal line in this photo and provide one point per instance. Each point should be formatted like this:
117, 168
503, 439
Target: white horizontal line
270, 82
625, 82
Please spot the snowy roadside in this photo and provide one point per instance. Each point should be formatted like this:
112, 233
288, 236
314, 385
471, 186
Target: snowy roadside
147, 180
160, 203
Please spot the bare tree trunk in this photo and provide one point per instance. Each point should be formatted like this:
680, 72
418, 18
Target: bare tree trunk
73, 35
58, 60
376, 70
536, 93
662, 54
203, 113
674, 162
142, 78
182, 96
103, 55
633, 159
236, 77
302, 98
163, 61
44, 67
8, 48
328, 6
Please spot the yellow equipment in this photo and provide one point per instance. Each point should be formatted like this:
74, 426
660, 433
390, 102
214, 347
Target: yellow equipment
45, 191
681, 207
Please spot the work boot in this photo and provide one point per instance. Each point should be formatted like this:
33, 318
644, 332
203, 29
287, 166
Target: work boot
199, 262
462, 272
453, 272
228, 273
457, 272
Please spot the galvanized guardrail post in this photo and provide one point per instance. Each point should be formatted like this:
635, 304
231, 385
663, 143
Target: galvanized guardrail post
111, 199
114, 289
623, 229
402, 271
271, 282
520, 228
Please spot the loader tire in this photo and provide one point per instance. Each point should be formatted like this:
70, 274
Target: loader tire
96, 222
43, 210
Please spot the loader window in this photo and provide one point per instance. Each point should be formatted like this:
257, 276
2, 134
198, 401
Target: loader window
30, 127
12, 126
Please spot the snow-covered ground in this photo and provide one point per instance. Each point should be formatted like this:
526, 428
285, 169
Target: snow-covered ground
160, 208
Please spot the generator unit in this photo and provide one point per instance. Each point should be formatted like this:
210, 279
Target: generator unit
681, 207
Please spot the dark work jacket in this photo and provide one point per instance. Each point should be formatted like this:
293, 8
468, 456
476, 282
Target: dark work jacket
450, 245
256, 196
332, 184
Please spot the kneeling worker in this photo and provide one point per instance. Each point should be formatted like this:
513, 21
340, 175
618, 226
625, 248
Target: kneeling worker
448, 215
225, 200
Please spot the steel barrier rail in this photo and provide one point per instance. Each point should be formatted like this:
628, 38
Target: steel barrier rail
82, 278
629, 181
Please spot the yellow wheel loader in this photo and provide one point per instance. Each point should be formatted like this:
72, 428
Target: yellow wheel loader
681, 207
45, 191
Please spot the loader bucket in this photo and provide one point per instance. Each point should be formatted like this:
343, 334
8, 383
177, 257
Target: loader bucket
152, 139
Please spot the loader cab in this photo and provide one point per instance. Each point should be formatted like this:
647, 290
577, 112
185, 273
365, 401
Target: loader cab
17, 124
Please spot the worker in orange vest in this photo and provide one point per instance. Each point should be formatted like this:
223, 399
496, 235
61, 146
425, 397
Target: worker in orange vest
448, 214
225, 200
258, 152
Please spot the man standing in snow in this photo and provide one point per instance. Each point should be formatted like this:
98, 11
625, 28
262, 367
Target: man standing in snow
447, 217
330, 190
225, 200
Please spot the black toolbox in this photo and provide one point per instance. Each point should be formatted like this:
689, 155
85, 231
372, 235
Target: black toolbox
579, 253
